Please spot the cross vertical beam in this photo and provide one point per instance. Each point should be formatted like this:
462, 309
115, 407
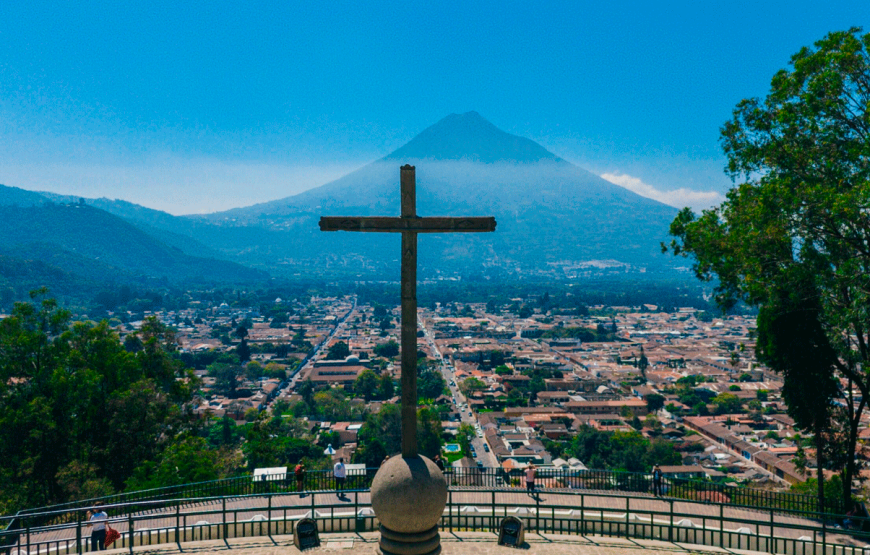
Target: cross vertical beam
409, 316
409, 225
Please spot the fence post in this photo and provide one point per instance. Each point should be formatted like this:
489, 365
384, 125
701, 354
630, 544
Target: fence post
450, 505
130, 530
79, 531
671, 526
224, 516
721, 525
824, 535
28, 538
770, 545
582, 514
269, 520
178, 524
492, 519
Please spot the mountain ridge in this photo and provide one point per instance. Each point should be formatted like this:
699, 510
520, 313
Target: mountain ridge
553, 216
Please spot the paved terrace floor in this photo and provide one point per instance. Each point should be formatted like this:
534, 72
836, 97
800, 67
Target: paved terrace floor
594, 504
451, 544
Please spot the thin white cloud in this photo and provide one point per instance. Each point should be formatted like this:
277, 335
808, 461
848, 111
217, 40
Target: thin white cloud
678, 198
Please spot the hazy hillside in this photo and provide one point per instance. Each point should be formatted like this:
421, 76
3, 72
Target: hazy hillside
108, 240
13, 196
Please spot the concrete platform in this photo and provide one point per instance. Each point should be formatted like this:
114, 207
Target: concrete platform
470, 543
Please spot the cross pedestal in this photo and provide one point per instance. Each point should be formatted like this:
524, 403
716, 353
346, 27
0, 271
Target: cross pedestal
409, 492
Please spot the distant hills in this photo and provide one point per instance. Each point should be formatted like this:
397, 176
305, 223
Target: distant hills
77, 244
554, 219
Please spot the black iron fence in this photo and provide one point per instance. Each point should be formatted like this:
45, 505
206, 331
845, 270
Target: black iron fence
467, 477
577, 512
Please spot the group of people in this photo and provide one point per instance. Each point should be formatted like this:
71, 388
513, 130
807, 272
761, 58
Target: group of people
98, 519
339, 472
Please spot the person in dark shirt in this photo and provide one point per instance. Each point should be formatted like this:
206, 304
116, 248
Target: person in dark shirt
657, 481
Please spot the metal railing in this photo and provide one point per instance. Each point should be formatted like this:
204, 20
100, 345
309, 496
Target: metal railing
468, 477
550, 510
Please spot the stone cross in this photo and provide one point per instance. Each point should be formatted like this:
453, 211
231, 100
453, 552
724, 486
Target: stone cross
409, 225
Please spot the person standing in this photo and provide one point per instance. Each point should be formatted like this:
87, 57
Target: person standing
530, 479
439, 462
340, 472
299, 471
97, 523
657, 481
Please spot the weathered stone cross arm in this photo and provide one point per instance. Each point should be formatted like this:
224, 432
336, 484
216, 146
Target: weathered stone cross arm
412, 223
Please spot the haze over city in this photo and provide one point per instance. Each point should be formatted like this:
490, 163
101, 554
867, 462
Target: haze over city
199, 109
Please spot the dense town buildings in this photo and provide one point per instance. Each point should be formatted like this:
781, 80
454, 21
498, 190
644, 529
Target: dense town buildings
526, 383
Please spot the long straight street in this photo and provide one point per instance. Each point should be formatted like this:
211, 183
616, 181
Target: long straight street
460, 403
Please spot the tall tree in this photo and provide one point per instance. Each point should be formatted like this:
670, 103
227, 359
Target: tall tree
366, 384
338, 351
800, 213
386, 387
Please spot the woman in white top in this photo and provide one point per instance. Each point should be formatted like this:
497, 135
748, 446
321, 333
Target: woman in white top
97, 523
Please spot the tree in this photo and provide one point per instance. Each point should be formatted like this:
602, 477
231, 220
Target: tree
277, 441
338, 351
464, 435
306, 391
654, 402
184, 461
503, 371
386, 387
642, 363
366, 384
389, 349
428, 432
243, 351
430, 384
469, 385
727, 403
791, 341
226, 378
798, 221
536, 385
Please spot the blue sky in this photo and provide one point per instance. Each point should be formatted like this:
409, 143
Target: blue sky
194, 107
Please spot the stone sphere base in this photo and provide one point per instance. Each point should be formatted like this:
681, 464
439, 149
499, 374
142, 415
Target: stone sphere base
408, 497
397, 543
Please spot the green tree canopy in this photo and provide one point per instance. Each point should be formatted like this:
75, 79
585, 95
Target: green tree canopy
78, 412
366, 384
389, 349
797, 221
430, 384
654, 402
338, 351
